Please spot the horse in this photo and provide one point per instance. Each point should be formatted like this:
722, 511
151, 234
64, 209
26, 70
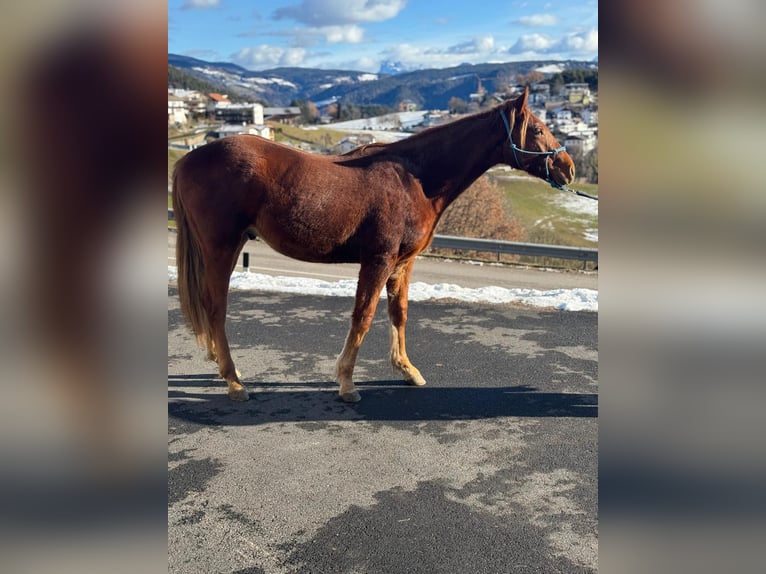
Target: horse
377, 205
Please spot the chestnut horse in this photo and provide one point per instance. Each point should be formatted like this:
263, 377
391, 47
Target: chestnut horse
377, 206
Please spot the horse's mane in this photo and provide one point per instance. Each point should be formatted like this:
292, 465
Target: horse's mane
424, 140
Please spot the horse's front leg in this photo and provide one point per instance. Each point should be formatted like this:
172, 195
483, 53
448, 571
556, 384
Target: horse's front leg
372, 276
397, 287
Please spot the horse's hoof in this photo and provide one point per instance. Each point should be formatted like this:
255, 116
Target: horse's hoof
351, 397
416, 381
239, 395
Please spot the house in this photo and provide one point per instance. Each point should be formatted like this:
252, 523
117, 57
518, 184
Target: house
215, 101
351, 142
539, 93
185, 94
561, 115
590, 115
540, 113
434, 118
580, 143
286, 115
576, 93
235, 130
240, 113
407, 106
176, 110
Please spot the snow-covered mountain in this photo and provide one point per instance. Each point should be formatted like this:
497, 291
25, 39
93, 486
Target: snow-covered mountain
428, 88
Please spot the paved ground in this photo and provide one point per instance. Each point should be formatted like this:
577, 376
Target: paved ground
490, 468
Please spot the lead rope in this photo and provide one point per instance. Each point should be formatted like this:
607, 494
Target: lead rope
552, 183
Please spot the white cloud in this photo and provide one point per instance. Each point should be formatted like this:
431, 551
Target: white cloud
572, 45
319, 13
350, 34
263, 56
536, 20
479, 44
484, 43
190, 4
532, 43
582, 42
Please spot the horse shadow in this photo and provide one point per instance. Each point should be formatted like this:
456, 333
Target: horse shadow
202, 399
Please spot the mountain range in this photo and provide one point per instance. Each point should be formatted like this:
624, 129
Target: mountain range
428, 88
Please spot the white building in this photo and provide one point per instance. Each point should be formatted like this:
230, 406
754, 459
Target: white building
576, 93
176, 110
590, 116
235, 130
581, 142
351, 142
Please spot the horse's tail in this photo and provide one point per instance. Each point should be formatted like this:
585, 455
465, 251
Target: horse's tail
191, 269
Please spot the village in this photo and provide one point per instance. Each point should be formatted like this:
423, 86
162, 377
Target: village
195, 118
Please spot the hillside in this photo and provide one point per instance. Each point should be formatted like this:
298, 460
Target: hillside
429, 89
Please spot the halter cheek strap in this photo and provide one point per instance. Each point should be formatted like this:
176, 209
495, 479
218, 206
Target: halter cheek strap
516, 148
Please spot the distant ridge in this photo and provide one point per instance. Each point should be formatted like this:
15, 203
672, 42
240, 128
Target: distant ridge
428, 88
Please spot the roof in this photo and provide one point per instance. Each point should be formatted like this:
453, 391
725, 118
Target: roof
218, 97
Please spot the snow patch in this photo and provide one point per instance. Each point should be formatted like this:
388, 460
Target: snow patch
561, 299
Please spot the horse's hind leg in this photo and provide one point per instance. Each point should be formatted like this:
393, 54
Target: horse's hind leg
372, 276
397, 288
219, 269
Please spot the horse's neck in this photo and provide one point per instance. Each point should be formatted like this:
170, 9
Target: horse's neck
456, 156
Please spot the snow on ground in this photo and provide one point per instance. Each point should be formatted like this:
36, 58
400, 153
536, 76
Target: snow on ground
550, 69
561, 299
388, 121
591, 235
577, 203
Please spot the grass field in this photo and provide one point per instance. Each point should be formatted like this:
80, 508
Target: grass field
285, 133
546, 213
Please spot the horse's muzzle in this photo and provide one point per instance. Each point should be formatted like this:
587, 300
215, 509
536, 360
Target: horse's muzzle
562, 168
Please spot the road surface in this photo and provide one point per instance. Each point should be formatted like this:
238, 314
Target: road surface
490, 468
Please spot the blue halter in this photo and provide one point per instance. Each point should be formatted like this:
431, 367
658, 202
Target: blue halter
516, 148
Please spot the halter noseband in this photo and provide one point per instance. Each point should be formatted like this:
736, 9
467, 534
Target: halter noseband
516, 148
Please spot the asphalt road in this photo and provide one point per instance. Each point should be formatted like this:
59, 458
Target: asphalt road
490, 468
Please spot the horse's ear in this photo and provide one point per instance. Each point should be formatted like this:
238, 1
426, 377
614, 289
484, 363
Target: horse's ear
521, 101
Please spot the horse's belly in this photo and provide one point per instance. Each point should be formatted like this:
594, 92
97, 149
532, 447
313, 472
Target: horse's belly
314, 248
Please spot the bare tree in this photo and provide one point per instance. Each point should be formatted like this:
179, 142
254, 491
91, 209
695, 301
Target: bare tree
480, 212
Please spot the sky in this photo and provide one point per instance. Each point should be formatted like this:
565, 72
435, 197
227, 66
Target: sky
362, 34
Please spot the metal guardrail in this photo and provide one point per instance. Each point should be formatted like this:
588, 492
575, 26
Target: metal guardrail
515, 248
507, 247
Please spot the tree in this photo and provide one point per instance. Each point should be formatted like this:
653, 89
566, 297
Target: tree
457, 105
480, 212
309, 112
590, 165
586, 165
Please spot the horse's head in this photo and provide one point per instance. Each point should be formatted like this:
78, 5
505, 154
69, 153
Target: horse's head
531, 146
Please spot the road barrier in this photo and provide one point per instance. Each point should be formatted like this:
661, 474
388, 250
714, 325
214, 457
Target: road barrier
584, 254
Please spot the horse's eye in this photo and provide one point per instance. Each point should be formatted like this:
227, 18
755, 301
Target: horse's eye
538, 131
